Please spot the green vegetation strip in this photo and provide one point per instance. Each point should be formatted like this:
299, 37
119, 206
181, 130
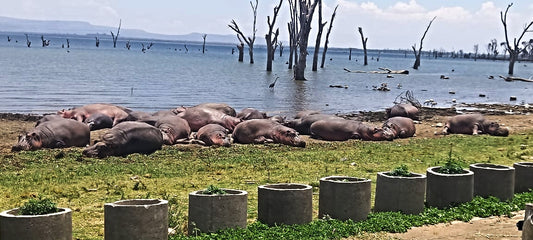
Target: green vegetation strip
393, 222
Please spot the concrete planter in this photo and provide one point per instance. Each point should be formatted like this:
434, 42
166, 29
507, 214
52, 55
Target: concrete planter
136, 219
493, 180
344, 198
444, 190
210, 213
527, 230
285, 203
39, 227
396, 193
523, 176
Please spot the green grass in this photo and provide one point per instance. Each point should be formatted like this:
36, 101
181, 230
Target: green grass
86, 184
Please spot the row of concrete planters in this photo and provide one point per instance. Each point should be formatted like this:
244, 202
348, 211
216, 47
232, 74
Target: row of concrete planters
493, 180
527, 228
523, 176
443, 190
210, 213
136, 219
398, 193
53, 226
344, 198
285, 203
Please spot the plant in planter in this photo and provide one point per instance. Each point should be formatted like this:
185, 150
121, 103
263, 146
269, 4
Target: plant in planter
217, 208
36, 219
344, 198
400, 190
449, 184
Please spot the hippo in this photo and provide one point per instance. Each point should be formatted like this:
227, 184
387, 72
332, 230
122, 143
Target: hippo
401, 127
117, 113
473, 124
223, 107
302, 125
127, 138
174, 129
141, 116
402, 110
343, 129
251, 113
99, 121
46, 118
304, 113
198, 117
266, 131
56, 133
213, 134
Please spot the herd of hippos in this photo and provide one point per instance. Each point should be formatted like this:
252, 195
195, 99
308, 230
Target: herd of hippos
218, 124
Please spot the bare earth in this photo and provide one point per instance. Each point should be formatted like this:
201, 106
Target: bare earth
517, 118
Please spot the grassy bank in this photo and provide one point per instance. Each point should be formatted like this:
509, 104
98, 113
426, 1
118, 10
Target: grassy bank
85, 184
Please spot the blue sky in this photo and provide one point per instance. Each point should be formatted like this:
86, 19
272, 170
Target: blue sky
389, 24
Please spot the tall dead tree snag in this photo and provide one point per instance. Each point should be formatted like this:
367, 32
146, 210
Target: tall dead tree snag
240, 47
305, 16
318, 36
203, 45
364, 40
514, 50
293, 27
327, 38
419, 52
272, 37
28, 42
250, 40
45, 42
115, 37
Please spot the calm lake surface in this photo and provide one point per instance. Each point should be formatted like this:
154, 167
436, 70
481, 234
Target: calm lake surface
42, 80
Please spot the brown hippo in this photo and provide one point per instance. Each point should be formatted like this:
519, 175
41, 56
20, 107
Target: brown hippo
473, 124
48, 117
302, 125
141, 116
401, 127
213, 134
403, 110
99, 121
251, 113
343, 129
174, 129
266, 131
198, 117
127, 138
117, 113
223, 107
305, 113
56, 133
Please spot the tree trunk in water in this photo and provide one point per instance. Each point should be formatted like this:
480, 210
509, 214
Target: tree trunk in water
241, 52
512, 60
318, 37
270, 55
364, 40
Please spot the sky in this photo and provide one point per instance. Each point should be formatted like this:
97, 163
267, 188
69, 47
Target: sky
388, 24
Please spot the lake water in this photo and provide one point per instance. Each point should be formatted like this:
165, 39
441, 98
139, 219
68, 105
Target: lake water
43, 80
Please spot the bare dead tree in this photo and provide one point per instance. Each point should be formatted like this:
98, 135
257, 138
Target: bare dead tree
68, 43
45, 42
419, 52
515, 49
305, 15
128, 45
280, 44
476, 50
185, 46
28, 42
272, 37
115, 38
97, 42
318, 37
327, 38
143, 49
8, 38
203, 45
250, 40
240, 47
364, 40
350, 55
293, 33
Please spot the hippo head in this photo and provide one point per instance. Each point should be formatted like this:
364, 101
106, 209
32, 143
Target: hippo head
99, 150
169, 135
218, 138
66, 113
278, 119
380, 134
230, 122
494, 129
288, 136
99, 121
29, 141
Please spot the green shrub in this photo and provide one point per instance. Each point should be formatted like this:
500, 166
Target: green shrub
452, 165
401, 171
212, 190
38, 206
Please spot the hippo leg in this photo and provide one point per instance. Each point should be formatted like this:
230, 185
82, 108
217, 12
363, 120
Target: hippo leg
475, 131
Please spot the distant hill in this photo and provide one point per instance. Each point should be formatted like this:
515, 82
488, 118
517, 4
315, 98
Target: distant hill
84, 28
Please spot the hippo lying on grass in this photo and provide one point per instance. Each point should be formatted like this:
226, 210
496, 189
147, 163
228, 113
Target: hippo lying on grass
402, 110
302, 124
473, 124
266, 131
56, 133
401, 127
118, 114
213, 135
174, 129
343, 129
198, 117
127, 138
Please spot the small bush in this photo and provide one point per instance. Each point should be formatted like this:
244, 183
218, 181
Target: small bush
38, 206
212, 190
401, 171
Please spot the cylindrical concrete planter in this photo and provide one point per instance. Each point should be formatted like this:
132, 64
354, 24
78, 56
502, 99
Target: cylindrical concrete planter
136, 219
493, 180
523, 176
285, 203
397, 193
444, 190
39, 227
344, 198
210, 213
527, 228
